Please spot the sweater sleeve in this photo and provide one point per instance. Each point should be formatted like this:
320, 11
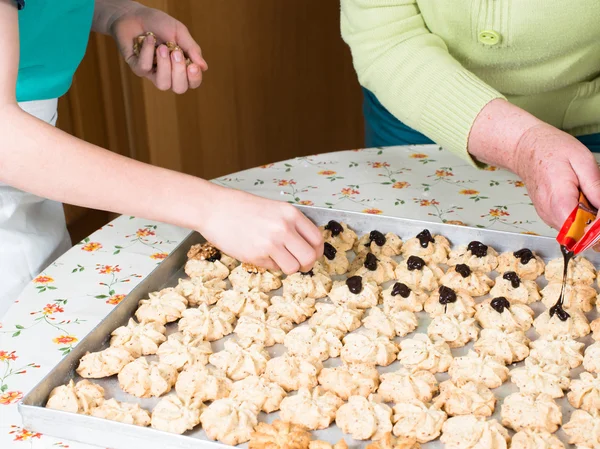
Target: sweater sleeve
412, 73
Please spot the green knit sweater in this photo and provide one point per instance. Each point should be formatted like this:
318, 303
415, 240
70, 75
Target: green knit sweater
435, 64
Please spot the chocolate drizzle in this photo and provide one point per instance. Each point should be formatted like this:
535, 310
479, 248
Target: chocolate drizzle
425, 238
500, 304
524, 255
400, 289
447, 295
307, 273
415, 263
334, 227
463, 270
513, 277
377, 237
478, 249
371, 262
354, 284
557, 309
329, 251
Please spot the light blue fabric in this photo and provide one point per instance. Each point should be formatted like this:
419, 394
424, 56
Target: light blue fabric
53, 37
382, 129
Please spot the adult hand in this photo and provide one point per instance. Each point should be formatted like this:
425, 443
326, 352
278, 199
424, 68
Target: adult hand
555, 166
267, 233
171, 72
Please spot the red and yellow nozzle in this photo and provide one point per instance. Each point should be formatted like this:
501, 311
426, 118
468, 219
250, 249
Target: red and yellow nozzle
575, 234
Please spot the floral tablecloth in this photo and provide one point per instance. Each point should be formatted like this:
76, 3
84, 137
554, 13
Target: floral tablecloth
71, 296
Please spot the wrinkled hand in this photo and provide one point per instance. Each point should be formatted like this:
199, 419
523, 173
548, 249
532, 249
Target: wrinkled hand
267, 233
554, 166
171, 71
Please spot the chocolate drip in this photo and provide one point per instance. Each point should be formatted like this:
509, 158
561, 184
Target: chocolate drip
371, 262
400, 289
478, 249
415, 263
500, 304
334, 227
513, 277
447, 295
463, 270
425, 238
354, 284
558, 309
329, 251
307, 273
377, 237
525, 255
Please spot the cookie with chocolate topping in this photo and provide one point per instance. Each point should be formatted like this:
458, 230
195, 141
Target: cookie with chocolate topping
206, 262
378, 269
399, 296
355, 292
500, 313
334, 261
515, 289
476, 255
524, 262
339, 235
431, 248
419, 275
446, 301
461, 277
379, 244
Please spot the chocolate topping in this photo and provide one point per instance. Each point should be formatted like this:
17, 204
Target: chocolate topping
560, 312
334, 227
463, 270
354, 284
415, 263
478, 249
371, 262
377, 237
400, 289
499, 304
329, 251
425, 238
447, 295
307, 273
513, 277
216, 256
525, 255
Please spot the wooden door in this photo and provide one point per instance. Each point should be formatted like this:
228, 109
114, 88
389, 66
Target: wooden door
280, 84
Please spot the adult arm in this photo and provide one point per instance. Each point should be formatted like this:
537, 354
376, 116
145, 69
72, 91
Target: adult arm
45, 161
414, 76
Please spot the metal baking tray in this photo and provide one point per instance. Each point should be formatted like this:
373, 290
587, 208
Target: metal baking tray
91, 430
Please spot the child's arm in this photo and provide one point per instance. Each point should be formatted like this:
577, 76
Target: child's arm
43, 160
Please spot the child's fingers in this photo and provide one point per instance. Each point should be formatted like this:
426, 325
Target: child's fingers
285, 260
162, 78
179, 79
143, 64
190, 47
194, 76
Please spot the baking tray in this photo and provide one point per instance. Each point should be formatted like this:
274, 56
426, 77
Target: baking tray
91, 430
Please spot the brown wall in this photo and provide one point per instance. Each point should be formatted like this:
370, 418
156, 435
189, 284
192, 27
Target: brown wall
280, 84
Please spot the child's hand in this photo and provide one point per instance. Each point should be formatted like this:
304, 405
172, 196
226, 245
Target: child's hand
171, 71
264, 232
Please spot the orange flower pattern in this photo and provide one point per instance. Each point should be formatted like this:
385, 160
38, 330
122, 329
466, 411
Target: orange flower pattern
43, 280
159, 256
91, 247
65, 340
423, 183
10, 397
115, 299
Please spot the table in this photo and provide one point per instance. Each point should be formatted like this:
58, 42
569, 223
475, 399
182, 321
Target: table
61, 305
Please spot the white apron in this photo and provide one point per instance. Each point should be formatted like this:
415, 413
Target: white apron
33, 230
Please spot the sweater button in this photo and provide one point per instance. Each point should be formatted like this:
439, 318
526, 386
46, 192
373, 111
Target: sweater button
489, 37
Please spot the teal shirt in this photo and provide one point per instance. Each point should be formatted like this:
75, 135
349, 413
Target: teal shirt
53, 38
